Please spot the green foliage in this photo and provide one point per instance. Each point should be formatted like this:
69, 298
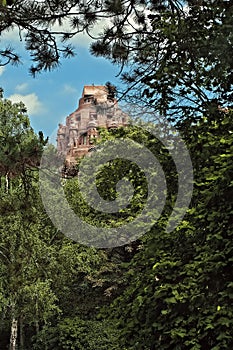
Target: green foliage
108, 177
37, 19
43, 276
180, 284
166, 291
6, 2
75, 333
179, 54
20, 147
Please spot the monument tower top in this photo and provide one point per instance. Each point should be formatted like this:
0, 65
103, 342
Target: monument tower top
97, 107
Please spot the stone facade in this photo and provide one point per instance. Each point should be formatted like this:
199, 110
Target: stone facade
97, 108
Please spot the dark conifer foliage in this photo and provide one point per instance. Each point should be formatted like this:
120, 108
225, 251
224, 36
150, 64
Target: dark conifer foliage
174, 56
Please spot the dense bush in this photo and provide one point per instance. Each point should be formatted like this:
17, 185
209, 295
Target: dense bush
78, 334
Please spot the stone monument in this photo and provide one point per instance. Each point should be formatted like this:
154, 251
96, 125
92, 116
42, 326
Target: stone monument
97, 108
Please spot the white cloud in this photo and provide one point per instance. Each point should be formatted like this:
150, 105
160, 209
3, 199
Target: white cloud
31, 101
21, 87
11, 35
83, 39
2, 70
68, 89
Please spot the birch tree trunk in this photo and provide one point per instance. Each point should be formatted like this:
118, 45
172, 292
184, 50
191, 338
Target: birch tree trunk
7, 183
14, 333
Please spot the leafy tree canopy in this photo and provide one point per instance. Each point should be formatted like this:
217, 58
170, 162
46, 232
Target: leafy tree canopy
20, 147
179, 54
179, 293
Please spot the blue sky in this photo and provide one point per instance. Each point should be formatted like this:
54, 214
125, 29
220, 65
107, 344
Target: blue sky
51, 96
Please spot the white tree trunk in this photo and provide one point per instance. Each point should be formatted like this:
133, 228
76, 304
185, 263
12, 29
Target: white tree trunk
14, 333
7, 182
